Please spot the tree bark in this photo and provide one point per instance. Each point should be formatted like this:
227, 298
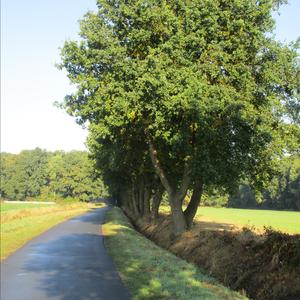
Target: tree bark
147, 196
158, 169
178, 219
134, 201
192, 207
141, 197
175, 196
156, 202
176, 199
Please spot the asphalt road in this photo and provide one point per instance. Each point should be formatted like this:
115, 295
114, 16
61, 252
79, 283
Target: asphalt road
68, 262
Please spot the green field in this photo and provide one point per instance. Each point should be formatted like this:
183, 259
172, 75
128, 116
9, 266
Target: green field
22, 222
18, 206
285, 221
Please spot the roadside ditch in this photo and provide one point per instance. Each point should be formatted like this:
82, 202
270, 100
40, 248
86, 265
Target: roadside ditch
265, 266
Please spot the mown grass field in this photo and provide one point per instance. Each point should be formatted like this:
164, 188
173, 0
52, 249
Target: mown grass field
22, 222
285, 221
19, 206
150, 272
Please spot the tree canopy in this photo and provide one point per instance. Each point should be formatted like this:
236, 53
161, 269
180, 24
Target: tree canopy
183, 95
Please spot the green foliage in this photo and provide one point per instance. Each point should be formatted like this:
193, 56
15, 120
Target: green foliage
72, 175
282, 192
243, 198
201, 82
49, 176
23, 175
214, 199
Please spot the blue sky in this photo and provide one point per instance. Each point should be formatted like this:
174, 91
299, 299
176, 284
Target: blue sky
31, 33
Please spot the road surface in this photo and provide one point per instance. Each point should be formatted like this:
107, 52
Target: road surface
68, 262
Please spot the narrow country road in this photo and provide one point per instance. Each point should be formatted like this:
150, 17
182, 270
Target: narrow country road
68, 262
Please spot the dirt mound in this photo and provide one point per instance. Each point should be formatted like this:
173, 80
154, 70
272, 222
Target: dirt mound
265, 265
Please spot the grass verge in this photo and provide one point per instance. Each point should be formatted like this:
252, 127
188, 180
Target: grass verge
150, 272
20, 226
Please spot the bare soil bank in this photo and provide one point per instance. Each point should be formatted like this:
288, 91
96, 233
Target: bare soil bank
264, 266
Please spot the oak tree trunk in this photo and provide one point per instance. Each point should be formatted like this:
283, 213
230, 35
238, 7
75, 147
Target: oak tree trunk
175, 195
141, 197
156, 202
192, 207
147, 196
134, 201
178, 218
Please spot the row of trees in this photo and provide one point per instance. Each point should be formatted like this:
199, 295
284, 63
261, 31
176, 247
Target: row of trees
48, 176
283, 192
183, 96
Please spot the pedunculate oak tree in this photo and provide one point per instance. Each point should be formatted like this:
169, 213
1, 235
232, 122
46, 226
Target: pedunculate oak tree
184, 94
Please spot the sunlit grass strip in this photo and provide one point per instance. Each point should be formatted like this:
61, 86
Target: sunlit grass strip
22, 227
150, 272
8, 206
10, 215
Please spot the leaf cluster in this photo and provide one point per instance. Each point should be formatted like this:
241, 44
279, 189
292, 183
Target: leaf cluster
203, 80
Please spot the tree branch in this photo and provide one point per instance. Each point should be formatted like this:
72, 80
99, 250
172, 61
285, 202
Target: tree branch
186, 179
159, 170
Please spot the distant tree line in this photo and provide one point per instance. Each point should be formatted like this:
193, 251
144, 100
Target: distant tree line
41, 175
282, 192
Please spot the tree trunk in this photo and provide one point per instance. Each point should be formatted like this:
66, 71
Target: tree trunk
178, 219
147, 196
156, 201
175, 195
140, 193
134, 201
192, 207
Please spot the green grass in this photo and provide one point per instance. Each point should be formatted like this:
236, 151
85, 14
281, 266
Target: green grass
285, 221
150, 272
18, 206
18, 226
